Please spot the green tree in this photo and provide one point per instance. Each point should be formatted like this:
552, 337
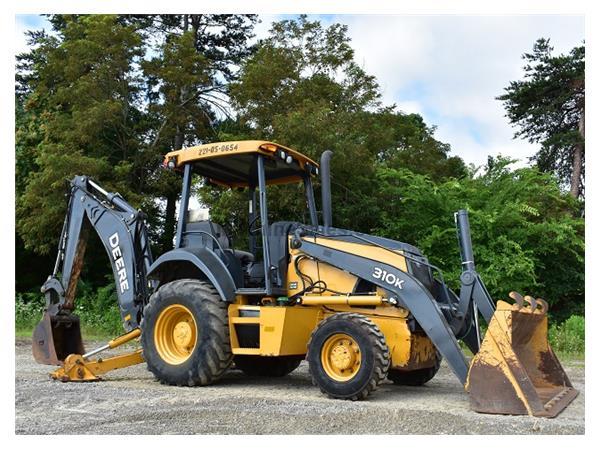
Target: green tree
79, 118
548, 107
405, 141
526, 235
187, 83
303, 89
108, 96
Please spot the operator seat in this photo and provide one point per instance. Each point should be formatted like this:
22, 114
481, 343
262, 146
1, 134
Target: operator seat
210, 234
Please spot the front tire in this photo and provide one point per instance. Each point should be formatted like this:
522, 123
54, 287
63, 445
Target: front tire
415, 377
185, 334
348, 357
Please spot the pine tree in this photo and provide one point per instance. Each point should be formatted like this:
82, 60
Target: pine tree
548, 107
187, 86
78, 97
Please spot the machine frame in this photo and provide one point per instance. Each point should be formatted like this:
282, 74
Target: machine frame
377, 307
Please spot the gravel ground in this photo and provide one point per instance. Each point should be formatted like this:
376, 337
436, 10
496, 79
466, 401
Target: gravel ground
129, 401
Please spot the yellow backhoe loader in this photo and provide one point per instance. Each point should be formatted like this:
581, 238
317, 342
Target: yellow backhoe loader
358, 308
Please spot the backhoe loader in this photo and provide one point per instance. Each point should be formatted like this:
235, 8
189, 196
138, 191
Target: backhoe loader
359, 308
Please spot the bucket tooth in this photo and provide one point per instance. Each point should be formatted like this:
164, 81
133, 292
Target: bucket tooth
544, 305
516, 371
532, 302
518, 298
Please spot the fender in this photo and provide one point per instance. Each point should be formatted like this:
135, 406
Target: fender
205, 260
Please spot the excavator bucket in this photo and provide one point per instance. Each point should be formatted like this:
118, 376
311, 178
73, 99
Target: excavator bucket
515, 370
56, 337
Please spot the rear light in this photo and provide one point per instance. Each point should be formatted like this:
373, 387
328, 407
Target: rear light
269, 147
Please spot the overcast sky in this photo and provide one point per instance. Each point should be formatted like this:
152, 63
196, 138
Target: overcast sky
447, 68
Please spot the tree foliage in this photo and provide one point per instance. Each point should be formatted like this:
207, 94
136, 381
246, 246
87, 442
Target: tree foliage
80, 118
526, 233
187, 81
108, 95
548, 106
303, 88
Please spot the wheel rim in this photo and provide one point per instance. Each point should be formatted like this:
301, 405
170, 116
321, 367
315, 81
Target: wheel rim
340, 357
175, 334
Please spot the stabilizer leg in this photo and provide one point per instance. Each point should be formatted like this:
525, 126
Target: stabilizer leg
81, 368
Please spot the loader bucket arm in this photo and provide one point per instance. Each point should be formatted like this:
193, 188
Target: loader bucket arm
122, 231
407, 290
514, 371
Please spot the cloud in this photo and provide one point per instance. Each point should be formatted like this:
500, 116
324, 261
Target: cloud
451, 68
409, 107
447, 68
23, 23
261, 29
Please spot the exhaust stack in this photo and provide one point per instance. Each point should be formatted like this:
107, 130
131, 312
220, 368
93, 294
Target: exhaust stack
326, 188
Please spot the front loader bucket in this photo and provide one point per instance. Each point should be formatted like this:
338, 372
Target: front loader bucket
56, 337
515, 370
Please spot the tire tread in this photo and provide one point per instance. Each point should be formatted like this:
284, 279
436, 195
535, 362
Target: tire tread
381, 360
215, 322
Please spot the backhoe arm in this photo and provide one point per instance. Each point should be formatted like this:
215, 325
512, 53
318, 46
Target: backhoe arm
122, 231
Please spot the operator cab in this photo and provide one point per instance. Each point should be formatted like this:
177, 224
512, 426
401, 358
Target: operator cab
252, 166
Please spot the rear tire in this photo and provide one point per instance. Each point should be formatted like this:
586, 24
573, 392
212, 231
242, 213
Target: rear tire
190, 346
347, 356
415, 377
267, 366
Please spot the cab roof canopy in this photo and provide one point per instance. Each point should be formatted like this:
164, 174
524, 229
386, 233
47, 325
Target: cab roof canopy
234, 163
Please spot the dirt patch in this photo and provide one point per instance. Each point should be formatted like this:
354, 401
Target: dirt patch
130, 401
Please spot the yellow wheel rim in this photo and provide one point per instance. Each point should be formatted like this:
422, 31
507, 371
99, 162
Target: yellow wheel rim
340, 357
175, 334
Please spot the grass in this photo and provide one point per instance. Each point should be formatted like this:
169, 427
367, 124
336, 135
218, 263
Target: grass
87, 334
568, 338
98, 311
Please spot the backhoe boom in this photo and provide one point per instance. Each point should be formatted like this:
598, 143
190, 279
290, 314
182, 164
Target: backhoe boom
122, 231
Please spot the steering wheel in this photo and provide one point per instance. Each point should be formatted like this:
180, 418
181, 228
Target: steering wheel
253, 229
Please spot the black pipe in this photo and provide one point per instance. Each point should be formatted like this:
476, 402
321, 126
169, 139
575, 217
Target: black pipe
264, 219
326, 188
463, 230
183, 204
310, 199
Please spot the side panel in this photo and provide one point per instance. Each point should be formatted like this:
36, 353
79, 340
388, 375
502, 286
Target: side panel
206, 261
282, 330
286, 330
337, 279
